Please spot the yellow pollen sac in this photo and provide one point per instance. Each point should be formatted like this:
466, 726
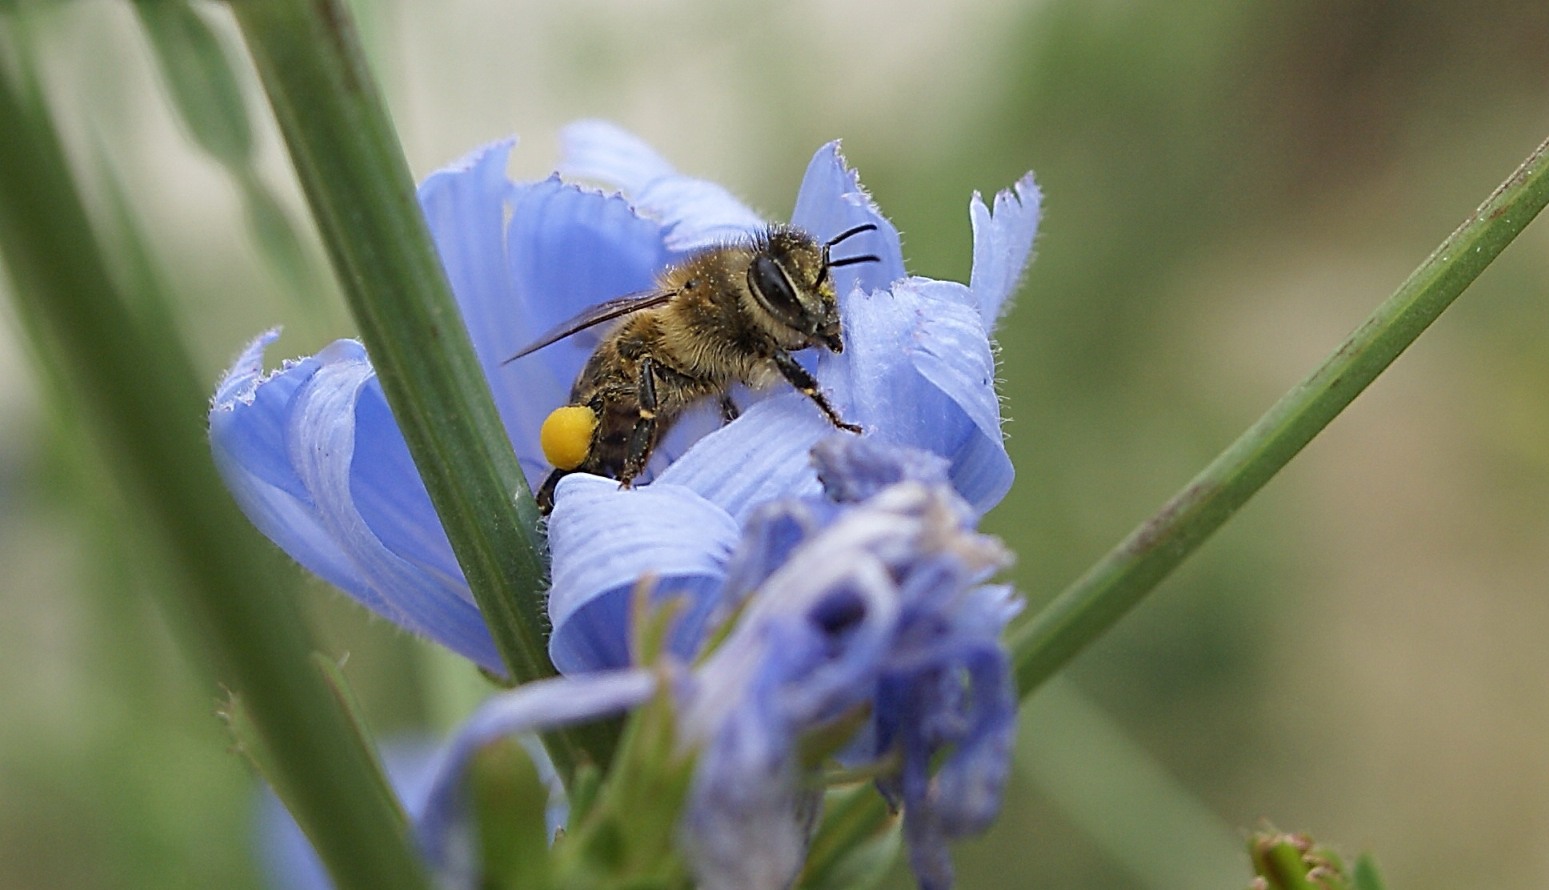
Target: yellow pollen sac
566, 436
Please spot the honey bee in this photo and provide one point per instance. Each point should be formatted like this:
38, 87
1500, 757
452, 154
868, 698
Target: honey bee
729, 314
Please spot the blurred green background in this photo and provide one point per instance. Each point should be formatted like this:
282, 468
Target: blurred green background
1230, 187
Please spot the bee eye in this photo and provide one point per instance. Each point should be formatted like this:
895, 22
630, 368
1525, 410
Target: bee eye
774, 290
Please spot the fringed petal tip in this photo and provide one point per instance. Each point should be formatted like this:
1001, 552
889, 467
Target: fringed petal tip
832, 200
496, 152
246, 374
1003, 244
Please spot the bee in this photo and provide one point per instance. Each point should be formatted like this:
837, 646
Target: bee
729, 314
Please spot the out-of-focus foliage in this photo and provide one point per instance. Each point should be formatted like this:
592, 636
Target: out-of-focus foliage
1230, 187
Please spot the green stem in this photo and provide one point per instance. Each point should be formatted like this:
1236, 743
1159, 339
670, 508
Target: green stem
129, 375
1099, 598
357, 182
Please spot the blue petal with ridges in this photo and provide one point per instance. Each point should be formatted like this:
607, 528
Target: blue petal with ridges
760, 456
286, 445
696, 213
501, 245
918, 370
247, 438
604, 539
567, 249
465, 206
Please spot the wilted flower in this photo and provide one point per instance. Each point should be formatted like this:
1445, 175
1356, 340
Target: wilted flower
314, 457
869, 607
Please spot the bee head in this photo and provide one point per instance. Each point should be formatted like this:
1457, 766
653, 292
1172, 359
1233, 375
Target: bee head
790, 279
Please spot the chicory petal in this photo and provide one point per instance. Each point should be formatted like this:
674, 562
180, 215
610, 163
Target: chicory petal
832, 201
286, 445
606, 540
918, 370
695, 212
1003, 243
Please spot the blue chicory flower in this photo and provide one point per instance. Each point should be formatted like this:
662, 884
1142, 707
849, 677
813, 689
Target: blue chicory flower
313, 455
870, 601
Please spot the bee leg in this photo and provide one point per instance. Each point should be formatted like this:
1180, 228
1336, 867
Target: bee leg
798, 377
729, 410
643, 436
545, 496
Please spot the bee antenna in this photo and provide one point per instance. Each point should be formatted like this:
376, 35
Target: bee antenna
852, 260
850, 233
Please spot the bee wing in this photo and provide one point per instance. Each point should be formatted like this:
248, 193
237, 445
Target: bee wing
595, 315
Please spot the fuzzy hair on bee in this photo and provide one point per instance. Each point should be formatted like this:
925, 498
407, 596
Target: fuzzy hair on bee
729, 314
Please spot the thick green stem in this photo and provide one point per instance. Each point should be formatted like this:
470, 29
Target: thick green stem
128, 374
357, 182
1099, 598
